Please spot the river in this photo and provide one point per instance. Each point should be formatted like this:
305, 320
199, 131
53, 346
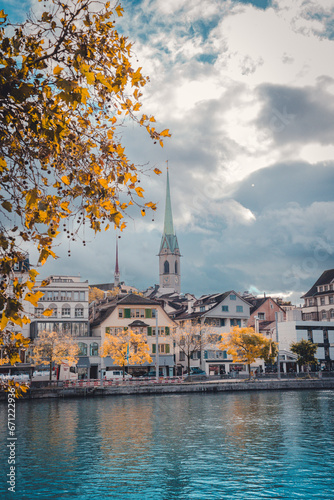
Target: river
256, 445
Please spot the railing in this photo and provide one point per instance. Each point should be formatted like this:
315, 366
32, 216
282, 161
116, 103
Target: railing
121, 382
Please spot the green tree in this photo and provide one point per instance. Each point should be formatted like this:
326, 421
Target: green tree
245, 346
305, 350
67, 86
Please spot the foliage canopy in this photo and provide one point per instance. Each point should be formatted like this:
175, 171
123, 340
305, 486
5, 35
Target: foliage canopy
67, 87
245, 346
305, 350
53, 347
126, 347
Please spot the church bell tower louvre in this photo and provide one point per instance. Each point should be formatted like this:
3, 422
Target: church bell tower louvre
169, 253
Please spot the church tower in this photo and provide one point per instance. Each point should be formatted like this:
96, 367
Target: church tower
169, 254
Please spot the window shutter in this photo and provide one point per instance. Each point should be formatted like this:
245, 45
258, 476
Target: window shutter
127, 313
108, 329
167, 330
148, 313
149, 330
153, 348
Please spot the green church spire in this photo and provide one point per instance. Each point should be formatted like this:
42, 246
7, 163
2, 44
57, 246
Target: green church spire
168, 225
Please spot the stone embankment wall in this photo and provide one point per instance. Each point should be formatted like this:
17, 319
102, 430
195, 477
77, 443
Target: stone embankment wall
185, 387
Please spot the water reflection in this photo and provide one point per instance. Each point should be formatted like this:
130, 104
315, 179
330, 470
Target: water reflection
196, 446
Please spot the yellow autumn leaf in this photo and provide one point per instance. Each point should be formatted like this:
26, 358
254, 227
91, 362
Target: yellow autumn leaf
165, 133
57, 70
119, 11
139, 191
48, 312
33, 298
104, 183
65, 180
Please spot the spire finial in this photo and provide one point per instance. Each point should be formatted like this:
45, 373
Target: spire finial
168, 225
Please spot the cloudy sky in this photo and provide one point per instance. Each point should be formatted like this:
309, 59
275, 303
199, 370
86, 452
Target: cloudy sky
247, 90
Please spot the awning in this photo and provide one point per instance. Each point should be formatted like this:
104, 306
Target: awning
83, 362
138, 323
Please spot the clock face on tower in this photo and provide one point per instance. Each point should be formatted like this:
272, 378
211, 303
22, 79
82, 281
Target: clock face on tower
166, 279
176, 279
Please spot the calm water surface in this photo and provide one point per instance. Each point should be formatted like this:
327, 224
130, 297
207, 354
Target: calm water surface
192, 446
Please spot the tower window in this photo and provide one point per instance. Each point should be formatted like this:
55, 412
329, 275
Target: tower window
166, 267
176, 267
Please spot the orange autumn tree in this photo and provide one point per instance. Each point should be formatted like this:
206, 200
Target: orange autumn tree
245, 346
54, 347
67, 89
125, 348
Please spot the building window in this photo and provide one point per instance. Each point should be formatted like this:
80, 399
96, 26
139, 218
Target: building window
176, 271
54, 310
182, 356
233, 297
240, 309
322, 301
39, 311
76, 295
225, 308
79, 312
82, 349
153, 313
331, 299
66, 311
261, 315
82, 295
94, 349
332, 313
166, 267
323, 315
321, 289
202, 309
310, 302
63, 295
326, 288
68, 295
120, 313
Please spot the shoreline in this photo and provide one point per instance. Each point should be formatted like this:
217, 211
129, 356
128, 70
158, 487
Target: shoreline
182, 387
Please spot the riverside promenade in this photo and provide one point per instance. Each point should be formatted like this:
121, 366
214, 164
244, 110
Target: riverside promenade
92, 388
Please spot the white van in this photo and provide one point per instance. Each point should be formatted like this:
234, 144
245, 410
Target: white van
115, 375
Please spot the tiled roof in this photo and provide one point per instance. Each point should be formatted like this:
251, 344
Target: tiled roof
325, 279
133, 299
102, 314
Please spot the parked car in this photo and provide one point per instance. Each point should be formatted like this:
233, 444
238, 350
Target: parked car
196, 371
115, 375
